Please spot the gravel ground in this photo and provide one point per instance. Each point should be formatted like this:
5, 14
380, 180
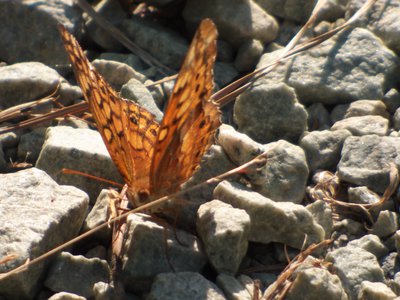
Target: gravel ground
328, 121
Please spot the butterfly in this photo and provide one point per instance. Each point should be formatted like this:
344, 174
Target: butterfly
155, 159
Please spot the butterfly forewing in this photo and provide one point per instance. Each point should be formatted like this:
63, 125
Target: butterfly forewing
128, 130
190, 120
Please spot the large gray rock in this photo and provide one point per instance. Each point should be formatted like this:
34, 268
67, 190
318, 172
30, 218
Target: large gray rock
332, 74
284, 176
237, 21
285, 223
24, 82
224, 231
81, 150
323, 148
382, 19
315, 284
365, 160
363, 125
354, 265
52, 215
22, 21
76, 274
164, 44
151, 249
268, 112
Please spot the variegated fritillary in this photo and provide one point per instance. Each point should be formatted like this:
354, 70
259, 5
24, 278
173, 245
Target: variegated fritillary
155, 159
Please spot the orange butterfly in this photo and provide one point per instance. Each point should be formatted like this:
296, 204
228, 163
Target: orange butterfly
155, 159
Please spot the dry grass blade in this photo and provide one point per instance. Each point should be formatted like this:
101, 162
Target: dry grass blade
281, 286
62, 112
118, 35
327, 191
253, 165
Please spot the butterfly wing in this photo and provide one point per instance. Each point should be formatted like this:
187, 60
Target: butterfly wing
128, 130
190, 120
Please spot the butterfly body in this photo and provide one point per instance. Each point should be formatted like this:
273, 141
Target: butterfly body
155, 159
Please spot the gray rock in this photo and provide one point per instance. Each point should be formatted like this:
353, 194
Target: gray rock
287, 223
352, 229
182, 286
287, 30
315, 284
396, 119
284, 176
77, 149
323, 148
354, 265
363, 195
386, 224
224, 73
389, 264
116, 73
365, 160
322, 214
214, 163
10, 139
397, 241
233, 288
31, 144
360, 108
114, 13
375, 290
129, 59
151, 249
104, 291
137, 91
52, 215
370, 243
3, 163
224, 231
318, 117
66, 296
268, 112
236, 21
382, 20
22, 20
99, 214
292, 10
165, 45
332, 10
331, 73
24, 82
225, 52
248, 55
396, 283
98, 251
392, 100
364, 125
76, 274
